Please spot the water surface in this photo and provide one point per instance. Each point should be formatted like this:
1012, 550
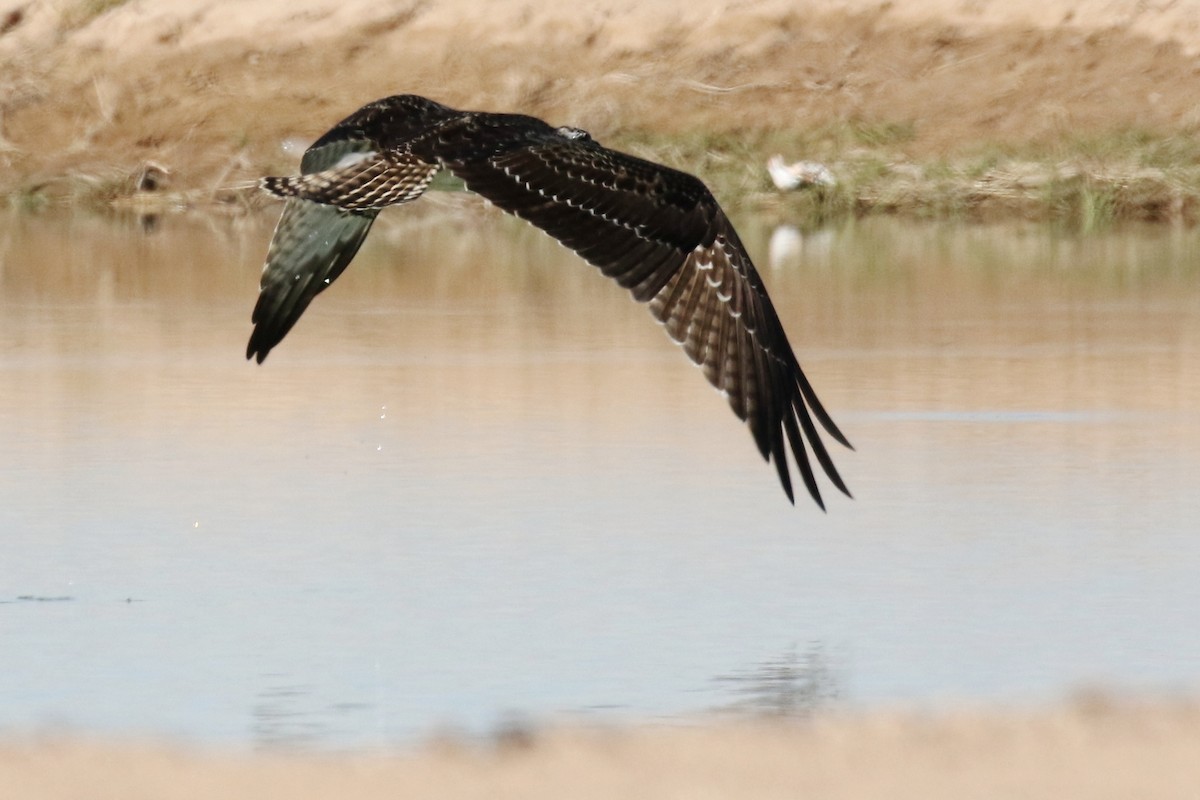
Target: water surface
477, 483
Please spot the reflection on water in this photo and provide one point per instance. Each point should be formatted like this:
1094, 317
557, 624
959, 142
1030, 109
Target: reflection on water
477, 484
793, 685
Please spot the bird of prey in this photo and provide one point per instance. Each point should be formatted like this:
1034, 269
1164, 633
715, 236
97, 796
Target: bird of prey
656, 231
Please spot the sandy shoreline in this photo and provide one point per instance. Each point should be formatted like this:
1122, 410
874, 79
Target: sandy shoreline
1091, 749
210, 90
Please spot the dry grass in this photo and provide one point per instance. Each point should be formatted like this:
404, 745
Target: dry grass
82, 12
1085, 184
914, 116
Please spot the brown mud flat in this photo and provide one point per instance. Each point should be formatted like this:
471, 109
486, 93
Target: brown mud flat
990, 101
1090, 749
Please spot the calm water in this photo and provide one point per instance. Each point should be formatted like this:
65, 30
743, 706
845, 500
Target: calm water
477, 484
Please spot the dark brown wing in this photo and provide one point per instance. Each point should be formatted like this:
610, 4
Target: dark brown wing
654, 230
659, 233
345, 180
312, 245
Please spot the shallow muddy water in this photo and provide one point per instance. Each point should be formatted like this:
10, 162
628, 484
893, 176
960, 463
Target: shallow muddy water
477, 485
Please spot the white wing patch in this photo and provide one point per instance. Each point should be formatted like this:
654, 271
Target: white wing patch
350, 159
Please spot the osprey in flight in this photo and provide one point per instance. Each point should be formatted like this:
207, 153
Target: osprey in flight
654, 230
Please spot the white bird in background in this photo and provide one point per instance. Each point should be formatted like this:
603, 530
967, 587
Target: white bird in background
799, 175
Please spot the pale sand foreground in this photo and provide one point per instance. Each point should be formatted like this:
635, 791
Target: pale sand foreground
1090, 750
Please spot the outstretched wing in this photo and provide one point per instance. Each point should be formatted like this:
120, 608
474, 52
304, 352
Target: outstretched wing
344, 182
312, 245
656, 231
660, 233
